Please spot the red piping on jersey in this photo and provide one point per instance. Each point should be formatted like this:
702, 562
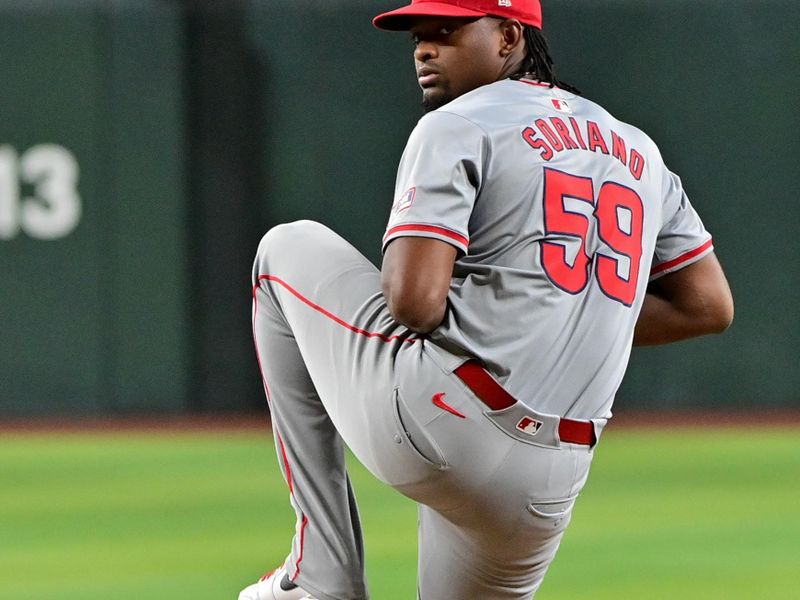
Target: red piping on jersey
287, 468
302, 547
536, 83
666, 266
255, 342
304, 517
343, 323
286, 464
333, 317
429, 229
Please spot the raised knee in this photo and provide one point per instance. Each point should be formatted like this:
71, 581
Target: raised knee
286, 235
287, 238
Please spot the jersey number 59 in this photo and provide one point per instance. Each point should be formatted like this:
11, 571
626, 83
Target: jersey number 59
619, 214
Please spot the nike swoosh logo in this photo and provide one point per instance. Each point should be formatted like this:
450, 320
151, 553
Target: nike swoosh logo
438, 400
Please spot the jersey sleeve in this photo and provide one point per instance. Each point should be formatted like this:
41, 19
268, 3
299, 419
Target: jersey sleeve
438, 180
683, 239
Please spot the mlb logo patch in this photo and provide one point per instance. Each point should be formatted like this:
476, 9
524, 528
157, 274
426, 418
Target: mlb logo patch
405, 201
529, 426
506, 3
561, 105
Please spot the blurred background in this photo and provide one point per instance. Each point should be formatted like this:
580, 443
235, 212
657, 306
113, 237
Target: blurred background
145, 147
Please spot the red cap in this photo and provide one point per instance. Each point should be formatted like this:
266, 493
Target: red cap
527, 12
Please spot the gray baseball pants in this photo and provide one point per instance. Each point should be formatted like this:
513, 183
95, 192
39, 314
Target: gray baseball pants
339, 370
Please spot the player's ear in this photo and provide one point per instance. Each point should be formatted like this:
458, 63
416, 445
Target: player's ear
512, 36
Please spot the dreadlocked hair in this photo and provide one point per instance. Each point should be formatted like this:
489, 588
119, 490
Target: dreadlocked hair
538, 63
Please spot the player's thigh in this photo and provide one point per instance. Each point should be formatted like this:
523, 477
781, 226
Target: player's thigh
489, 563
330, 297
314, 270
500, 542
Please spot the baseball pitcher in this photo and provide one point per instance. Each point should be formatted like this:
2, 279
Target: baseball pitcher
533, 240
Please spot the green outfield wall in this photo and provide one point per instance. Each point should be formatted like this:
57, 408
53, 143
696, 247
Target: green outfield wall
145, 146
92, 208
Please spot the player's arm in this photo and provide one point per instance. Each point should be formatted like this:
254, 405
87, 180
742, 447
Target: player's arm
695, 300
416, 277
438, 180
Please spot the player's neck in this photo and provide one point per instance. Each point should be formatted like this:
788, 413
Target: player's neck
530, 77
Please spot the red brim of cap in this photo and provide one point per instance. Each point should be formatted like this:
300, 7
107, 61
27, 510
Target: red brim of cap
401, 19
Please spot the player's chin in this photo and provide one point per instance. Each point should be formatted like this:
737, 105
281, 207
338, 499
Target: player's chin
433, 98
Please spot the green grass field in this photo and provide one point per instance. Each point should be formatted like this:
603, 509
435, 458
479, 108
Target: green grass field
681, 514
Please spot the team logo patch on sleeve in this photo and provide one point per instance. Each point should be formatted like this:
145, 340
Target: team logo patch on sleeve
405, 201
529, 426
561, 105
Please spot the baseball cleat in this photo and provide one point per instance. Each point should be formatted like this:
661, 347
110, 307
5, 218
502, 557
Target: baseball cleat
274, 586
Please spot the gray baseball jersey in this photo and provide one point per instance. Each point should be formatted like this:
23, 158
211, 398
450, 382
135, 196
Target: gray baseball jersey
560, 213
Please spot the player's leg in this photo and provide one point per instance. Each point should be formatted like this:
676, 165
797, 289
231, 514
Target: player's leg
311, 455
499, 546
491, 522
378, 386
328, 348
329, 296
458, 562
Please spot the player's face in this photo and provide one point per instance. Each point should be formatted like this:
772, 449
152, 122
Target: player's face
455, 56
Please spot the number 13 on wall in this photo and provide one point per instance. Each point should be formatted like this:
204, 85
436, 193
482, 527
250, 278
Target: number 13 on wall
54, 209
619, 213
